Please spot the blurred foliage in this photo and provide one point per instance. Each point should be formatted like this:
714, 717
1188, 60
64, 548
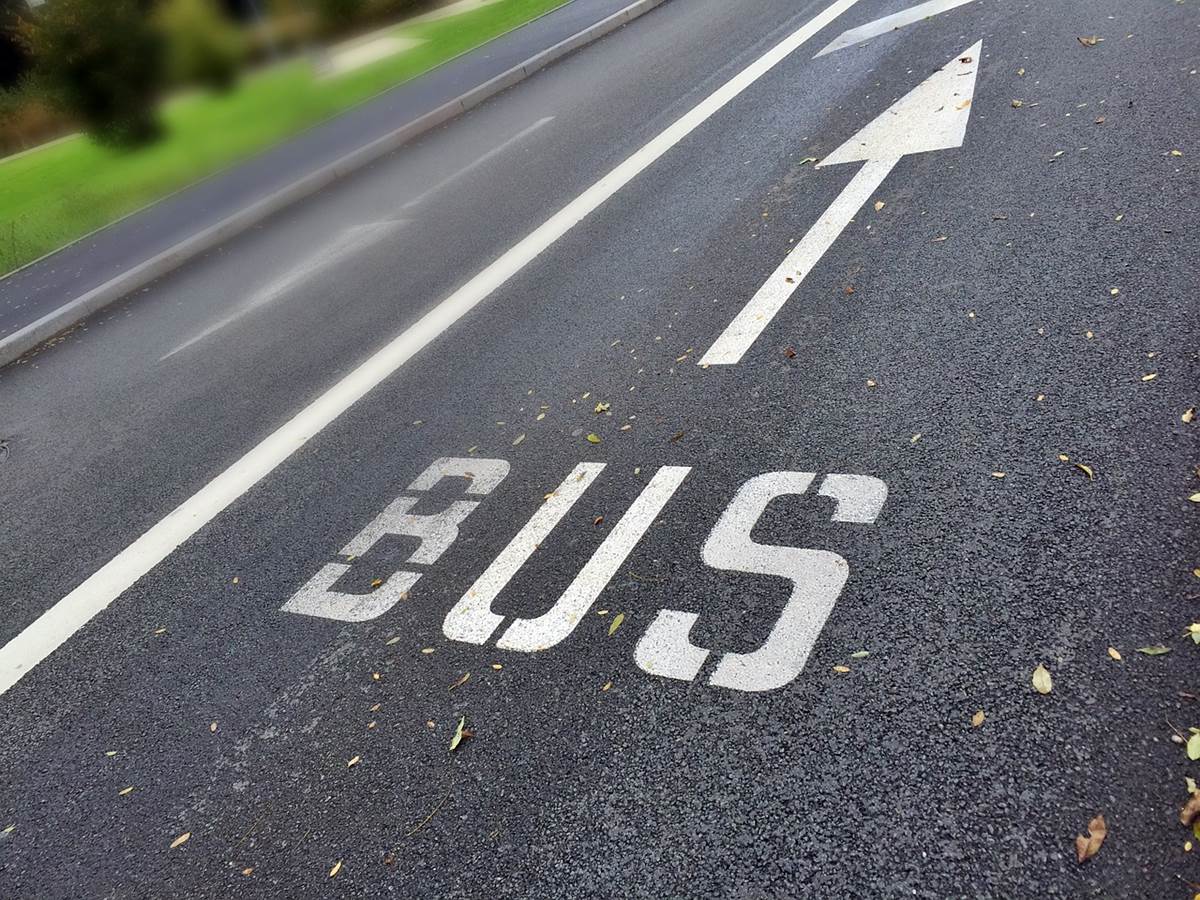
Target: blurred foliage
203, 46
103, 65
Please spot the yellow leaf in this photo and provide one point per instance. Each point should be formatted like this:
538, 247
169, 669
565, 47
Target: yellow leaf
124, 791
1176, 153
604, 407
607, 685
519, 439
392, 641
593, 438
1114, 653
458, 734
497, 666
916, 437
1195, 498
249, 870
1150, 377
1062, 457
377, 582
999, 474
1114, 291
1086, 470
615, 623
466, 677
426, 650
1189, 415
879, 204
354, 761
977, 719
337, 867
841, 670
181, 839
1042, 682
376, 707
1196, 572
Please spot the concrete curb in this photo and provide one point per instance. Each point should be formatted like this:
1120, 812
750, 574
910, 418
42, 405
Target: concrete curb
21, 342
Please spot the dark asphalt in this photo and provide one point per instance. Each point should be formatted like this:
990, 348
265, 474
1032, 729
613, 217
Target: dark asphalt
30, 293
866, 783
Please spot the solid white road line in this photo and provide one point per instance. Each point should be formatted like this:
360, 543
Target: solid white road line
932, 116
471, 167
69, 614
756, 315
560, 620
864, 33
349, 242
472, 619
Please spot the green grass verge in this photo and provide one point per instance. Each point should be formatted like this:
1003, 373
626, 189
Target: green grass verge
55, 194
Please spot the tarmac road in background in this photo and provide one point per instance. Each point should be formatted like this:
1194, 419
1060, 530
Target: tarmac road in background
888, 468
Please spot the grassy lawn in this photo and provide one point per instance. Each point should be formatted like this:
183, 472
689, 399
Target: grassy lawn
57, 193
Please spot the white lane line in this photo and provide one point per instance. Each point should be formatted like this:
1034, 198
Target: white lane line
756, 315
69, 614
471, 167
864, 33
932, 116
472, 619
543, 632
351, 241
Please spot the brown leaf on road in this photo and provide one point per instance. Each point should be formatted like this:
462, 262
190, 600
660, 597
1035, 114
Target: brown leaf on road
1189, 415
789, 352
466, 677
1114, 653
1087, 847
1190, 810
1086, 470
1090, 40
977, 719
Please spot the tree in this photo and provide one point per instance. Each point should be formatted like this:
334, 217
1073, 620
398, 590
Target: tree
203, 46
101, 62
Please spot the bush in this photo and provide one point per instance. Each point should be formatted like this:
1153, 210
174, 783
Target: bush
101, 63
203, 46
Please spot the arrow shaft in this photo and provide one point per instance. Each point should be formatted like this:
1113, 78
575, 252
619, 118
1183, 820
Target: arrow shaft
756, 315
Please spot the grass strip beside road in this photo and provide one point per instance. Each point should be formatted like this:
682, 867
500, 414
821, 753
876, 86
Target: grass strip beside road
60, 192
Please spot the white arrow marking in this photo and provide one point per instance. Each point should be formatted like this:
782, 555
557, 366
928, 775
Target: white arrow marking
864, 33
471, 167
349, 242
933, 116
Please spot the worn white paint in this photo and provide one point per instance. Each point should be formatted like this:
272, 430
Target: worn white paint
485, 474
472, 619
475, 164
864, 33
43, 636
860, 498
817, 578
318, 598
757, 314
351, 241
932, 116
560, 620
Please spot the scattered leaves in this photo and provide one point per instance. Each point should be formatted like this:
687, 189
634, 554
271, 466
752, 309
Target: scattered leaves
1087, 847
615, 623
1042, 682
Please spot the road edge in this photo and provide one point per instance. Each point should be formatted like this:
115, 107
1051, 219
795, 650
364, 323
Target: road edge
20, 342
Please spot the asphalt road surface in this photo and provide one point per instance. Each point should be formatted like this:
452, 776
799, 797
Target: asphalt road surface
611, 398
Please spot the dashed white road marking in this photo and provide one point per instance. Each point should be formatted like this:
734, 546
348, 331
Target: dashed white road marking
351, 241
560, 620
50, 630
472, 619
932, 116
472, 166
864, 33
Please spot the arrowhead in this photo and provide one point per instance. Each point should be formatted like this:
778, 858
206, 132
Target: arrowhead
932, 116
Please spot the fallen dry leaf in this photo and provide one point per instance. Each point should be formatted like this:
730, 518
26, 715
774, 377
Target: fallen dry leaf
337, 867
1114, 653
604, 407
879, 204
841, 670
1086, 470
1090, 40
999, 474
1017, 104
1191, 809
1189, 415
354, 761
212, 726
616, 623
1087, 847
124, 791
1042, 682
1150, 377
182, 839
977, 719
789, 352
1154, 650
593, 438
465, 678
458, 734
